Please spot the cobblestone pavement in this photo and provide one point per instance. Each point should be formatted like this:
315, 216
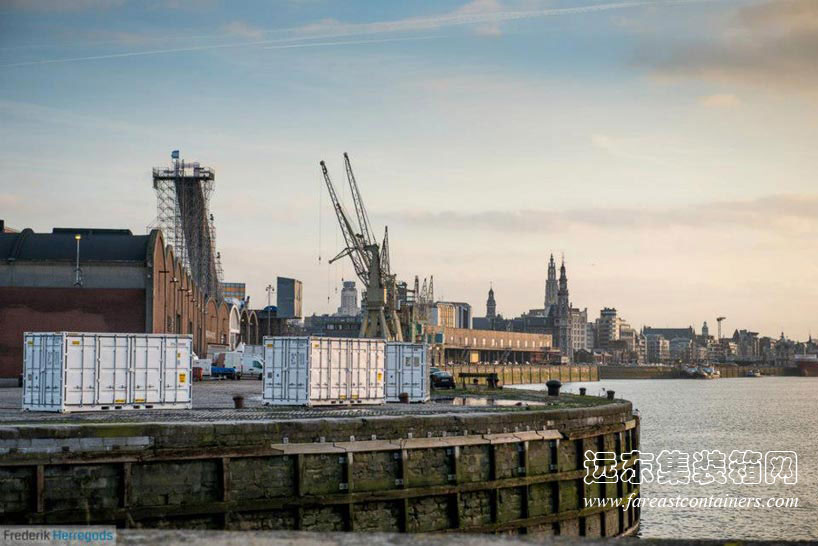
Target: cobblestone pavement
213, 401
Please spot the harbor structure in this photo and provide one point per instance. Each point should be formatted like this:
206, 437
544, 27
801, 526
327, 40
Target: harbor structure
183, 214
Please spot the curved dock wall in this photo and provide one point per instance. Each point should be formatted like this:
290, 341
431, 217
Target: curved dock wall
514, 472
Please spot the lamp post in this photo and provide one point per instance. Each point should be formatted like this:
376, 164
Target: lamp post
270, 291
77, 270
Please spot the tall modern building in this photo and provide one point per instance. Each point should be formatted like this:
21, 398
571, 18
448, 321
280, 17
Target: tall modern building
349, 300
288, 298
491, 305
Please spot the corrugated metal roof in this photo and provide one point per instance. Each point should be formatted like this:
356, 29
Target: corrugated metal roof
95, 246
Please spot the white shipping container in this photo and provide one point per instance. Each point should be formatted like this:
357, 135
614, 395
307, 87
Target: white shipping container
308, 371
66, 371
407, 371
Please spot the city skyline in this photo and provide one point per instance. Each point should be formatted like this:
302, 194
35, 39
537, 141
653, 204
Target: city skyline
673, 167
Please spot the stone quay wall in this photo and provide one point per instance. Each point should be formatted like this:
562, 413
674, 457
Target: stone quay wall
490, 472
524, 374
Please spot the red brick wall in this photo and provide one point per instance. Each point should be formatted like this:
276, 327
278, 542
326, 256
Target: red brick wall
28, 309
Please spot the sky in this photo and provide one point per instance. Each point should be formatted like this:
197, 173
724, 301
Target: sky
667, 149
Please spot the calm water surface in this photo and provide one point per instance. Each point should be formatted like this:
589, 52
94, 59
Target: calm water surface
760, 414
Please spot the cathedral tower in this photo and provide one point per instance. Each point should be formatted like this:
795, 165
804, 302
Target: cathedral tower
551, 285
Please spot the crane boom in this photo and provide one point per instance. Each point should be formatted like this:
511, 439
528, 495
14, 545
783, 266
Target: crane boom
385, 268
371, 262
354, 249
357, 200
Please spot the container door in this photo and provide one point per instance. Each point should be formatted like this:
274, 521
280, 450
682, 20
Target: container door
178, 365
113, 369
376, 374
33, 362
415, 375
43, 371
272, 370
320, 367
146, 369
358, 358
298, 373
81, 370
392, 356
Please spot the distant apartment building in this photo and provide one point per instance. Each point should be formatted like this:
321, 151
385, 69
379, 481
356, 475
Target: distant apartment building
671, 333
349, 300
658, 349
607, 327
450, 314
579, 330
747, 345
681, 349
288, 298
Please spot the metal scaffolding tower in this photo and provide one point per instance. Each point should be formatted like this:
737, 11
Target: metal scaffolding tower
183, 214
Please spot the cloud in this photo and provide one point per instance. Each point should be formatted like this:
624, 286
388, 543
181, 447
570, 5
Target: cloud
484, 15
720, 100
62, 5
787, 214
772, 44
477, 12
244, 30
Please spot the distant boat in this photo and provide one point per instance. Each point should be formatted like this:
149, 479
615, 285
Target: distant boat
753, 373
700, 372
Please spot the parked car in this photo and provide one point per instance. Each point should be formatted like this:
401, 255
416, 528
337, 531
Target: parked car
440, 379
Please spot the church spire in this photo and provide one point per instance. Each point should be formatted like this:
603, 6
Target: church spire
562, 293
491, 305
551, 285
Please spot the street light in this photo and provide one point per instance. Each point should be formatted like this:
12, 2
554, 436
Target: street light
270, 291
77, 270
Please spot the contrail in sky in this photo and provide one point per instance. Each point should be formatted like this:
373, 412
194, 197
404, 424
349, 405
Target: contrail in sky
342, 30
352, 42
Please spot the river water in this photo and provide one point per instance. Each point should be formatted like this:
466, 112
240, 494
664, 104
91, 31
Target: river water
758, 414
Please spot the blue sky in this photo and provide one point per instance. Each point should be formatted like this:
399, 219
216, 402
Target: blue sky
667, 148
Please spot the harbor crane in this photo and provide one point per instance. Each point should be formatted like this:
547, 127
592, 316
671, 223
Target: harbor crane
370, 261
718, 320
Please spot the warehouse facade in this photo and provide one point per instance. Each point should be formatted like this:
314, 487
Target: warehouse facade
124, 283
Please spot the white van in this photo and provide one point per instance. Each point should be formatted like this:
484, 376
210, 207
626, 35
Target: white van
246, 365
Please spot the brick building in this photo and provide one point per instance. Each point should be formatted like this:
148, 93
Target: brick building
126, 283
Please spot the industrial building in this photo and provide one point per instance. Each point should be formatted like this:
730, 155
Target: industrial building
461, 345
104, 280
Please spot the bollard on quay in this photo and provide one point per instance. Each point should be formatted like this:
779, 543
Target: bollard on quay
553, 387
582, 391
611, 395
238, 401
403, 397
